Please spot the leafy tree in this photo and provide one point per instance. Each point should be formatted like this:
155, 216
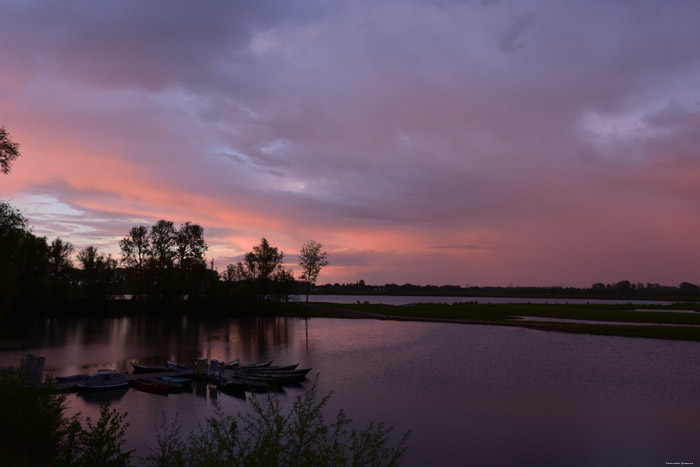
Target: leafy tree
135, 248
190, 246
311, 260
98, 274
163, 243
11, 218
257, 268
9, 151
59, 257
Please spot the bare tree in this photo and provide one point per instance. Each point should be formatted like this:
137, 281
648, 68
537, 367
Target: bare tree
9, 151
311, 260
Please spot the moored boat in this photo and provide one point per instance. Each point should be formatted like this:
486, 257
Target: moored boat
140, 368
269, 368
103, 380
239, 385
177, 366
232, 364
254, 365
151, 385
71, 378
276, 377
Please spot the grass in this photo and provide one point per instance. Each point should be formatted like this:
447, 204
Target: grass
508, 314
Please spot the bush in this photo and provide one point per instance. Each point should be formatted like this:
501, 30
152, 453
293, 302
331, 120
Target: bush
268, 436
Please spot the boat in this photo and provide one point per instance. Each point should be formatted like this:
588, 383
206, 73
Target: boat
139, 368
272, 373
254, 365
232, 364
103, 380
176, 379
176, 384
269, 368
151, 385
70, 379
239, 385
177, 366
276, 377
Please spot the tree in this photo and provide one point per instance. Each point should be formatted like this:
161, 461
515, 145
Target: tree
311, 260
11, 218
163, 243
190, 246
59, 257
257, 269
135, 249
98, 275
9, 151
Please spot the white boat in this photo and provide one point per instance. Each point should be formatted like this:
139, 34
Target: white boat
103, 380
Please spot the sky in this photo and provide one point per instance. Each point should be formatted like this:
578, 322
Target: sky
530, 143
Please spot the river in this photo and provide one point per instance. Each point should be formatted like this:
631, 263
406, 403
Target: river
472, 394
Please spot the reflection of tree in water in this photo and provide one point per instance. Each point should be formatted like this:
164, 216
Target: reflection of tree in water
254, 338
84, 344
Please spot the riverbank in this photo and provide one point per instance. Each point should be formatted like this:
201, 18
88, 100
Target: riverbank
657, 322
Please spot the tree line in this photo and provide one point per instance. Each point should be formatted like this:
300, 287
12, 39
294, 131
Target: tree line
159, 264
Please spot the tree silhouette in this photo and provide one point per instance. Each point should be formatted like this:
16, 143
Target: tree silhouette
59, 257
9, 151
311, 260
257, 268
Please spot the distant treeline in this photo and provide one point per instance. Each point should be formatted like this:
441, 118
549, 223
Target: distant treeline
619, 290
161, 267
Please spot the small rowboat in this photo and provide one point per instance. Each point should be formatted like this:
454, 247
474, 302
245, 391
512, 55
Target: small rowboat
70, 379
268, 368
139, 368
152, 386
276, 377
232, 364
177, 366
103, 380
254, 365
239, 385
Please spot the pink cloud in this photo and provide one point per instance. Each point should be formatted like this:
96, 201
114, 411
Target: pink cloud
424, 142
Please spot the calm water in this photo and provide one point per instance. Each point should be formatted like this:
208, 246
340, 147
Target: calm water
474, 395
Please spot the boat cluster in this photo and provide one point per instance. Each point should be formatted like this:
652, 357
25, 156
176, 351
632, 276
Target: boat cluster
261, 377
231, 377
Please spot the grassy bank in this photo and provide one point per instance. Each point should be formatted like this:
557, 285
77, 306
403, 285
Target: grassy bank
541, 315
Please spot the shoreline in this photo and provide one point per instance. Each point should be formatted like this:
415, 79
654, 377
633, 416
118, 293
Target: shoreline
639, 331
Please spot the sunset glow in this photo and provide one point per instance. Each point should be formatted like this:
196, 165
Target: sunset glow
432, 142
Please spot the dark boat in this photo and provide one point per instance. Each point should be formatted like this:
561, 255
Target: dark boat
103, 380
232, 364
176, 384
70, 379
254, 365
151, 385
177, 366
239, 385
139, 368
269, 368
274, 373
276, 377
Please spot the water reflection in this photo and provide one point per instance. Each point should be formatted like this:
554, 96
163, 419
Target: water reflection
473, 394
84, 345
98, 397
